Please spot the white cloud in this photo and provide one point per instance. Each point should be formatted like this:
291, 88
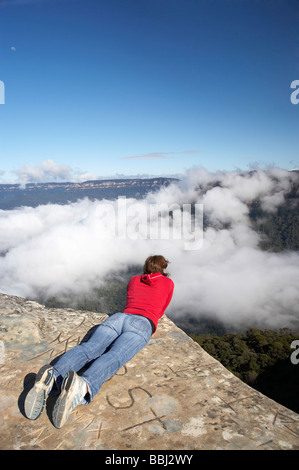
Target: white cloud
49, 171
71, 249
45, 171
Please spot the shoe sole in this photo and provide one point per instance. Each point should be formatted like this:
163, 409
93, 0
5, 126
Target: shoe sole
35, 399
59, 412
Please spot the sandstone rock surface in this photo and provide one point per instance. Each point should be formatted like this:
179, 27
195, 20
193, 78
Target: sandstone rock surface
172, 395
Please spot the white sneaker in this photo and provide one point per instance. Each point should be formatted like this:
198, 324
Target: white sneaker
35, 399
73, 390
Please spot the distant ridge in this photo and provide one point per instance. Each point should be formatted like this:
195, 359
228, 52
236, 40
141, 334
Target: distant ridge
97, 183
34, 194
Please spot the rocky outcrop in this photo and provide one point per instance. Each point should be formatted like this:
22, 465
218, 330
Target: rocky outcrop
172, 395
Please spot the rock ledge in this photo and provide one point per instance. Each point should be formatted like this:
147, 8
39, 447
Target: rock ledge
171, 396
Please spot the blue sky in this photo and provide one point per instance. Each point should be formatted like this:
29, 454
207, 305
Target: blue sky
99, 88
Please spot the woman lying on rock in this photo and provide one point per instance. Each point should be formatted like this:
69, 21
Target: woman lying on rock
115, 342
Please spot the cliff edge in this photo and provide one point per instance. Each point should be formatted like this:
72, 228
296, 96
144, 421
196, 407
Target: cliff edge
172, 395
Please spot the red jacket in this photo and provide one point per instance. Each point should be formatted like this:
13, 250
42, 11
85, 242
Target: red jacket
149, 295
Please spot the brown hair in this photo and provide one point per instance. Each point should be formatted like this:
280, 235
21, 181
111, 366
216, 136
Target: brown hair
155, 264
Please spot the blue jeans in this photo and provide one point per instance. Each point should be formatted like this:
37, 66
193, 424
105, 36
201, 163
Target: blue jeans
115, 342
